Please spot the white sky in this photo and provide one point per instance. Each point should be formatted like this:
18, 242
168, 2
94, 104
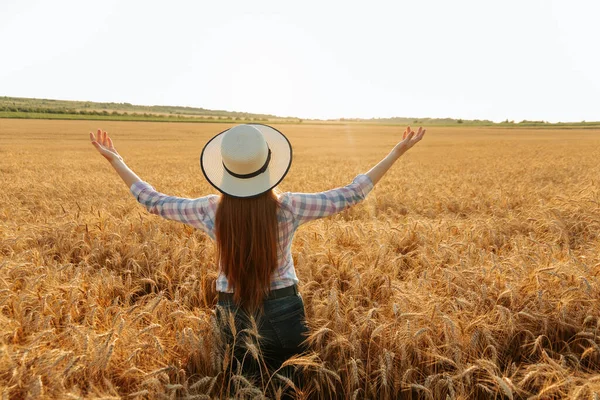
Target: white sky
515, 59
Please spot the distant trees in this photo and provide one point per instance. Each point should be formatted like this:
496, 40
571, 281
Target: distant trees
532, 122
117, 110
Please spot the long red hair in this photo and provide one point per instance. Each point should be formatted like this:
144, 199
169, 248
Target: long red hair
247, 236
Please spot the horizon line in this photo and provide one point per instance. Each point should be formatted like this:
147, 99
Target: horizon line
303, 118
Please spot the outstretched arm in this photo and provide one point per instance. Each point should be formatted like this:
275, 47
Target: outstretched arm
309, 206
409, 139
103, 143
198, 213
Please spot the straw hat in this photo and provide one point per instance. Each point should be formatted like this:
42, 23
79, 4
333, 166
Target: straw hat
246, 160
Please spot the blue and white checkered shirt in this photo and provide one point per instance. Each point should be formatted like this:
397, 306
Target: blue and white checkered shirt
295, 209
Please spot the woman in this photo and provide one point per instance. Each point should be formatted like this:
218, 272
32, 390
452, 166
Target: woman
253, 228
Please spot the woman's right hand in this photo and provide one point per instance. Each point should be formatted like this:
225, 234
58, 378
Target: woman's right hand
409, 139
104, 145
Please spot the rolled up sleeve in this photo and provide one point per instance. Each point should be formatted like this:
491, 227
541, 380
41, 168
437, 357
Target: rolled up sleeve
309, 206
198, 213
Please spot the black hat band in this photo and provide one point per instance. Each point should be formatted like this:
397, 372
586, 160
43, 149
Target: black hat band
252, 174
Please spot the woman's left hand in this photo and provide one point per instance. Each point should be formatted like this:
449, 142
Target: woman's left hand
103, 143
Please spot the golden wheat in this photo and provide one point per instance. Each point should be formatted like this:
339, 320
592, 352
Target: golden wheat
471, 271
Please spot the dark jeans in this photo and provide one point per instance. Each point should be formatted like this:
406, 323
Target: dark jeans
281, 328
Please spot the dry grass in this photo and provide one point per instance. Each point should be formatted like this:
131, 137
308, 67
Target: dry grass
471, 271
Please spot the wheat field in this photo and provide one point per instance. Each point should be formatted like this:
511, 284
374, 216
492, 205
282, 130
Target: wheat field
471, 270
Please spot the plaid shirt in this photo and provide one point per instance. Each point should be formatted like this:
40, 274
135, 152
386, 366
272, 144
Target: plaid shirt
295, 209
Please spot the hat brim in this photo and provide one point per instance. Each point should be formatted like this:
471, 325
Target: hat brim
213, 169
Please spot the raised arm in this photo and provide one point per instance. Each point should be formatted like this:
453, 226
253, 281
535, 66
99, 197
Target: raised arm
309, 206
104, 144
198, 213
409, 139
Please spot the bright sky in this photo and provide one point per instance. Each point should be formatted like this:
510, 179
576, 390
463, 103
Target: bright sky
471, 59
